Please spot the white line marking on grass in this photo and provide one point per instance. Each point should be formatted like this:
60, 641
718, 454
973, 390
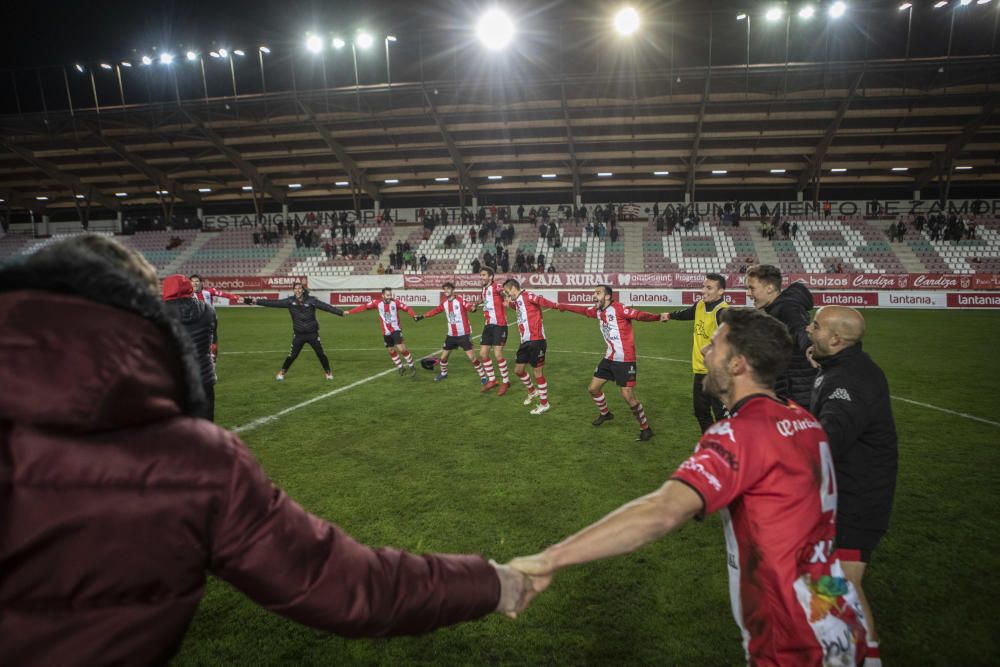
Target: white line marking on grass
946, 410
256, 423
281, 413
964, 415
334, 349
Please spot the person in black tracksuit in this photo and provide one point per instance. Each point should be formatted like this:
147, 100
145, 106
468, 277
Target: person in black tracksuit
791, 307
851, 400
305, 328
199, 320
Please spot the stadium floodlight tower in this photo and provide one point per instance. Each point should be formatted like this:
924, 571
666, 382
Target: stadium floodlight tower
774, 14
837, 10
495, 29
313, 43
627, 21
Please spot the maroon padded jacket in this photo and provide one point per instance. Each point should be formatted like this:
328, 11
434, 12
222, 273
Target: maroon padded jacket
114, 505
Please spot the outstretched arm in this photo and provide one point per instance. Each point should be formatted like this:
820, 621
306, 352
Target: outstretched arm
586, 311
328, 308
273, 303
225, 295
641, 315
431, 313
402, 306
360, 309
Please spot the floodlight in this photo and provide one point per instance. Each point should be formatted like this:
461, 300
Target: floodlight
837, 10
443, 179
963, 3
79, 68
314, 43
223, 53
495, 178
807, 12
121, 194
247, 188
214, 54
838, 170
719, 172
81, 196
741, 17
495, 29
126, 63
204, 189
900, 168
338, 43
42, 198
146, 60
391, 181
964, 168
191, 55
661, 173
905, 5
295, 186
390, 38
264, 49
166, 58
105, 66
548, 175
364, 40
777, 171
982, 2
774, 13
342, 183
626, 21
939, 5
605, 174
240, 52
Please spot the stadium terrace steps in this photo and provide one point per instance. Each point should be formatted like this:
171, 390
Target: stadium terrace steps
634, 261
280, 257
190, 247
765, 251
707, 247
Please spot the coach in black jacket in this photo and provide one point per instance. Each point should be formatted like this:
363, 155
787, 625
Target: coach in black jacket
791, 307
305, 328
851, 400
199, 320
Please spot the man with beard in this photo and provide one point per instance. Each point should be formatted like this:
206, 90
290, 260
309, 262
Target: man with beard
791, 307
494, 332
305, 328
619, 362
767, 470
388, 308
851, 400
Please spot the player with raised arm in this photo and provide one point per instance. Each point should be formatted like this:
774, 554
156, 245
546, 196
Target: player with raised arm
457, 311
305, 328
768, 471
209, 295
388, 309
618, 364
528, 307
494, 332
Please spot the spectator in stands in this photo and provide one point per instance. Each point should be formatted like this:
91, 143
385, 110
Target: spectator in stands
614, 234
328, 249
256, 238
504, 262
380, 269
520, 213
476, 265
423, 262
827, 209
552, 268
602, 230
540, 260
794, 229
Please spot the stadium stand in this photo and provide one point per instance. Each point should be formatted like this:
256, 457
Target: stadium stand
153, 245
708, 246
231, 252
313, 261
823, 246
972, 255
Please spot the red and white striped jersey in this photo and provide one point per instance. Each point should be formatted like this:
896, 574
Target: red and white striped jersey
457, 311
493, 310
388, 313
616, 327
529, 315
210, 294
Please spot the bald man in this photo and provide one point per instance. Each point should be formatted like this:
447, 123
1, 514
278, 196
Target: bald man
851, 400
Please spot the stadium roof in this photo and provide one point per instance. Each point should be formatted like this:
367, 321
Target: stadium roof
667, 122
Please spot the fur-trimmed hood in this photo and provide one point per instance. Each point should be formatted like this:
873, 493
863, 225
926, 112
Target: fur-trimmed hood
86, 347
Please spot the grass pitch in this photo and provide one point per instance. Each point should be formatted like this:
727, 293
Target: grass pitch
427, 466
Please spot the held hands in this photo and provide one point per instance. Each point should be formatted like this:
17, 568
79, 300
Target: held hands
517, 588
249, 301
418, 318
664, 317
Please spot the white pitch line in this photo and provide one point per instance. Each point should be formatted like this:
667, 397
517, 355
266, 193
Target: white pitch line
964, 415
256, 423
335, 349
946, 410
